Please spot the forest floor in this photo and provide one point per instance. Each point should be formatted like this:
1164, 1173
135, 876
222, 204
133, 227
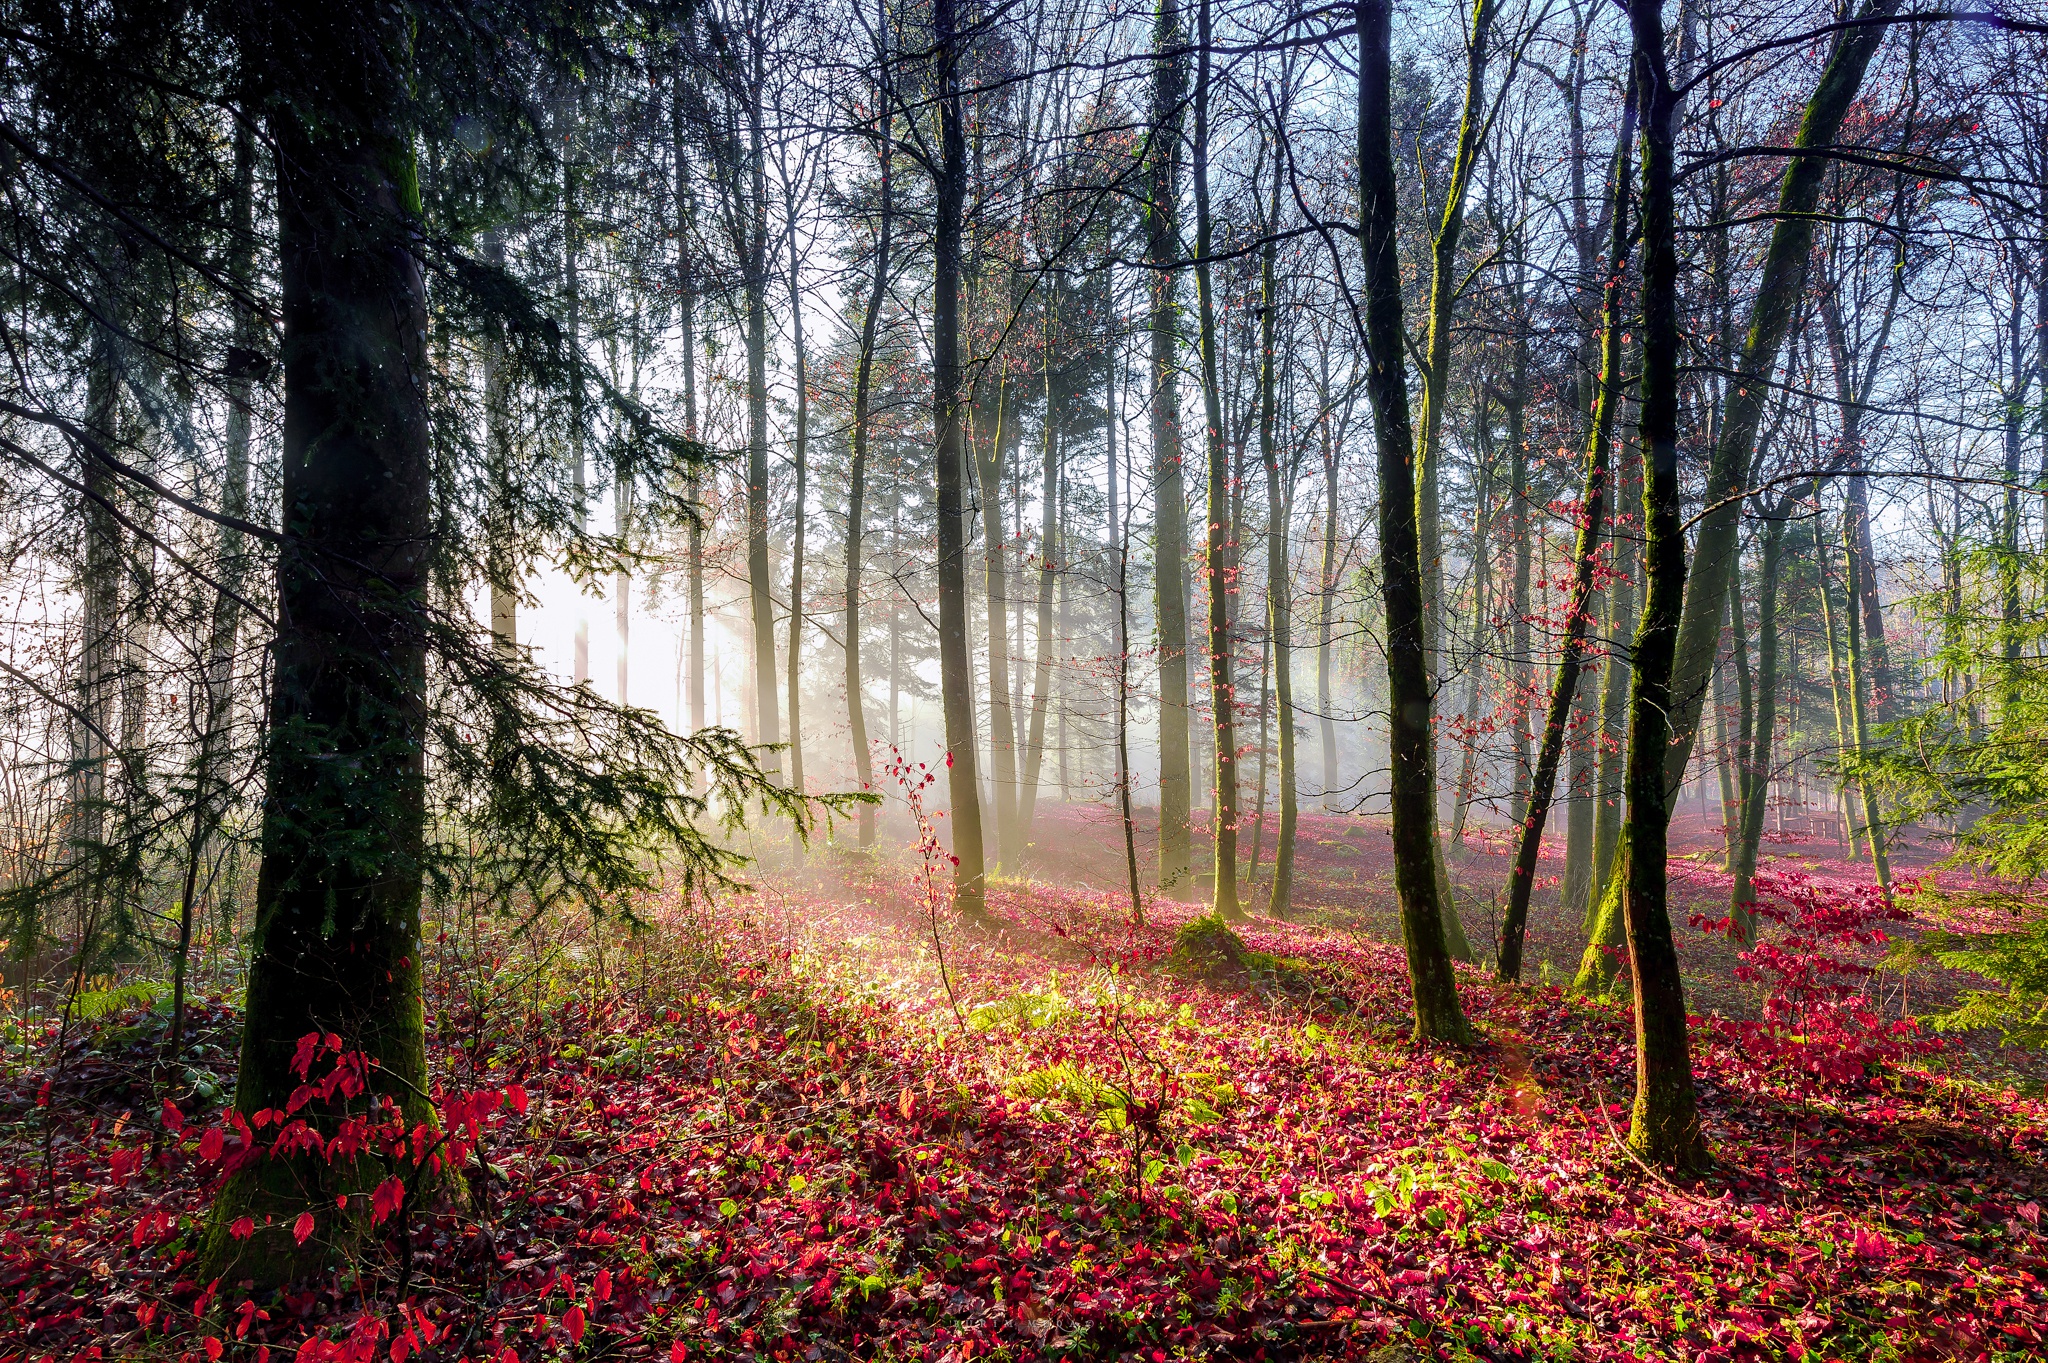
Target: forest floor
823, 1120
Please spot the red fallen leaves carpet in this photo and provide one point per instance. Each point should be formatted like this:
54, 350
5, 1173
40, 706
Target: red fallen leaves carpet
777, 1130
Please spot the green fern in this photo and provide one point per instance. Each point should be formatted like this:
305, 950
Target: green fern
101, 1003
1027, 1009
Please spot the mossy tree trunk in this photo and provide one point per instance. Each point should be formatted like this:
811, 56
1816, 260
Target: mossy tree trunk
1780, 287
337, 939
1438, 1015
1664, 1126
1218, 559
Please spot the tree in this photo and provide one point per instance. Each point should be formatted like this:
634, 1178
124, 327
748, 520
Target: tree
1169, 495
1664, 1125
948, 394
1578, 608
1438, 1016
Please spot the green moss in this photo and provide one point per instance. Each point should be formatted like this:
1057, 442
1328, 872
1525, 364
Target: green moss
1205, 948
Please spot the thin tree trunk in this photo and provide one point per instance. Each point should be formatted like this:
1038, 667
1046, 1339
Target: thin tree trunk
686, 308
1757, 757
1873, 825
1664, 1124
1614, 685
1832, 629
502, 564
1444, 289
1326, 620
992, 457
760, 573
1279, 574
1482, 580
799, 451
572, 288
1438, 1016
857, 472
1119, 548
210, 792
1578, 610
1048, 573
1217, 565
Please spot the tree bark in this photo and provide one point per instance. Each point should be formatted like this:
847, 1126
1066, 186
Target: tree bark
1664, 1124
1444, 289
1326, 619
1217, 565
1279, 574
686, 308
1048, 574
1779, 290
799, 451
956, 677
1169, 495
337, 939
1761, 730
1578, 610
760, 581
857, 471
1438, 1016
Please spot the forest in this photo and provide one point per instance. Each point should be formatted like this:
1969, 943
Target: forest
1023, 680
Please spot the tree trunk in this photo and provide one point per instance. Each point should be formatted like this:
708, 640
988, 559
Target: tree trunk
1578, 610
502, 565
1326, 620
1523, 671
1279, 575
686, 308
1779, 289
1169, 496
1444, 288
857, 472
1859, 730
956, 677
1438, 1016
992, 458
338, 895
1761, 730
799, 451
210, 793
1664, 1125
1614, 684
1119, 548
1482, 582
1048, 571
572, 289
760, 573
1217, 566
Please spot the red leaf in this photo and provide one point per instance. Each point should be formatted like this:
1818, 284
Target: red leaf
213, 1347
302, 1229
388, 1198
210, 1144
242, 1227
174, 1120
515, 1098
572, 1321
